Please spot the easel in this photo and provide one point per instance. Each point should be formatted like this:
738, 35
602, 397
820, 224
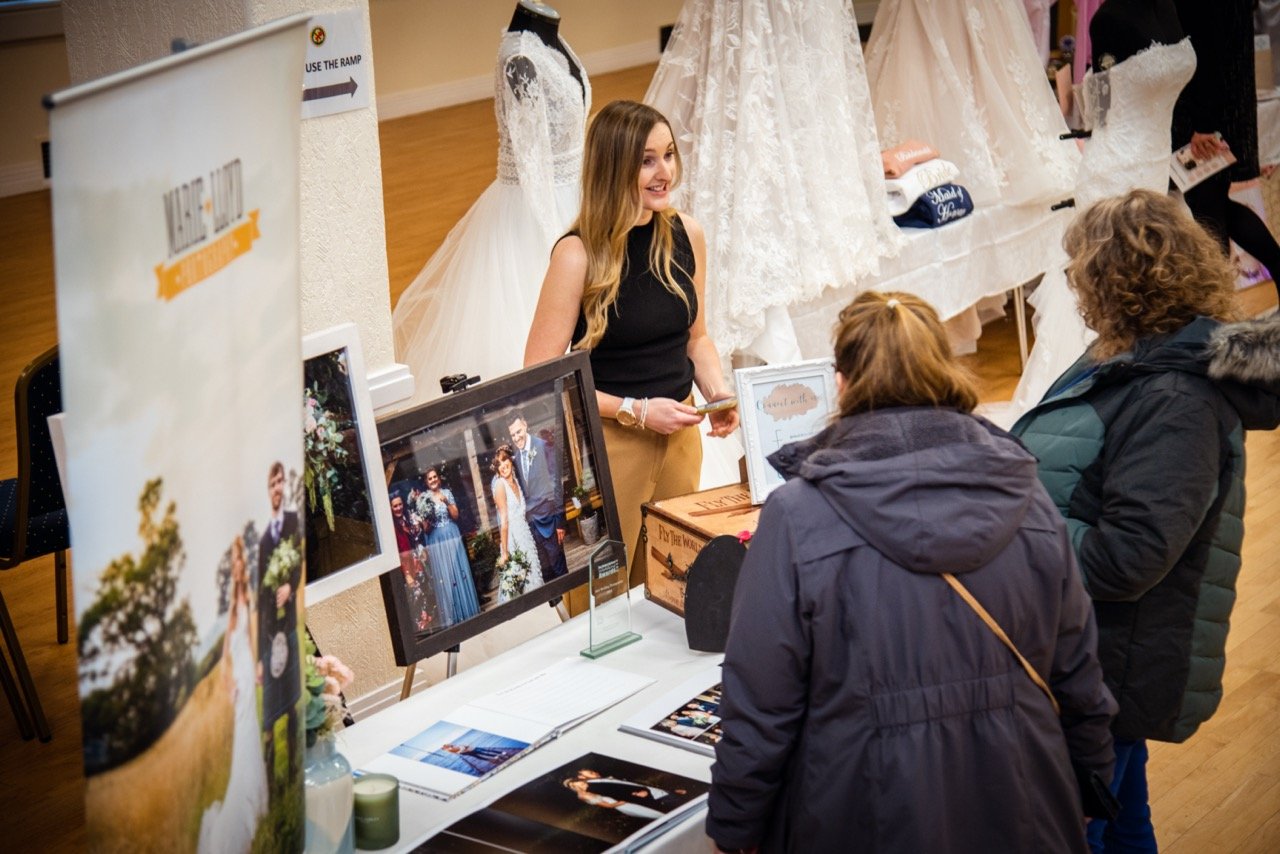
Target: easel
451, 662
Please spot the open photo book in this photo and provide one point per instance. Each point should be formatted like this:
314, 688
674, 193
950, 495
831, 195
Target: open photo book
476, 740
686, 717
595, 803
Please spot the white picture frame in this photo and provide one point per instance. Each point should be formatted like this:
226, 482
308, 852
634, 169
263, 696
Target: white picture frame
330, 575
779, 404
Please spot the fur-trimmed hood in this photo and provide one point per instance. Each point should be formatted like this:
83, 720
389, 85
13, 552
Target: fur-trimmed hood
1244, 358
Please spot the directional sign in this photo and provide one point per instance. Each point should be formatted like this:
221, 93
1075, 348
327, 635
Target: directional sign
336, 77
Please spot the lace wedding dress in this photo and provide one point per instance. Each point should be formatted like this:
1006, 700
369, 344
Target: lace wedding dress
768, 103
519, 536
487, 273
231, 823
965, 77
1129, 148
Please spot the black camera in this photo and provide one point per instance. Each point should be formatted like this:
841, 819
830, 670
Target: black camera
457, 382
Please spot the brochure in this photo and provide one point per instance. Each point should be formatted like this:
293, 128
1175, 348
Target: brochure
480, 738
1187, 171
595, 803
687, 716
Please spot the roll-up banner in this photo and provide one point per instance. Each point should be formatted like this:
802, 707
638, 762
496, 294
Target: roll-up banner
175, 213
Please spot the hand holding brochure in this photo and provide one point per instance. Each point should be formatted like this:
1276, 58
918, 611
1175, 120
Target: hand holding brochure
1187, 171
474, 741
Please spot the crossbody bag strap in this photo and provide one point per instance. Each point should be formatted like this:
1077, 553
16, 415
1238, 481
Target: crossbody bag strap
1004, 638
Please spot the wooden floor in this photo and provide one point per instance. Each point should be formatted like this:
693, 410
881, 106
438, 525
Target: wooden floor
1220, 791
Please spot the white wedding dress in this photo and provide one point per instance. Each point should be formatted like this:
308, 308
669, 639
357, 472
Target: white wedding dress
228, 826
965, 76
519, 536
769, 106
492, 262
1129, 149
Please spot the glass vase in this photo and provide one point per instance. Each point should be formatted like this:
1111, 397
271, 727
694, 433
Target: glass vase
327, 775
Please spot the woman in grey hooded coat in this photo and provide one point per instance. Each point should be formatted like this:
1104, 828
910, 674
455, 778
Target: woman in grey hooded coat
866, 706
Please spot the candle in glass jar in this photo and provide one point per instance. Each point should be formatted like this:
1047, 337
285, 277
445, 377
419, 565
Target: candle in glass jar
377, 811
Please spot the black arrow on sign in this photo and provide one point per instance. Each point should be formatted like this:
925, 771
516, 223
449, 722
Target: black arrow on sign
348, 88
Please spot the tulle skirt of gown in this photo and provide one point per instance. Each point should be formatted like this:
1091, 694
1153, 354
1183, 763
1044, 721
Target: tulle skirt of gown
469, 309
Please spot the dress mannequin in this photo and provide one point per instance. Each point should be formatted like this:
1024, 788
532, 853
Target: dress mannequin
544, 22
1149, 63
1121, 28
469, 308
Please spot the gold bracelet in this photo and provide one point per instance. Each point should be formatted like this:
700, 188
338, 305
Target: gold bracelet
644, 412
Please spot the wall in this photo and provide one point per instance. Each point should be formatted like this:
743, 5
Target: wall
431, 55
33, 62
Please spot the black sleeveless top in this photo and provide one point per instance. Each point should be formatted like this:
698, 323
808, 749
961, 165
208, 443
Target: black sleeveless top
644, 351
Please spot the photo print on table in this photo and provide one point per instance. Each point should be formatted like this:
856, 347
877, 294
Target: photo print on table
591, 804
460, 748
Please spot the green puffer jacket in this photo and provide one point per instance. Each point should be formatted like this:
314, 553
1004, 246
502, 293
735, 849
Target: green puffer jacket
1144, 456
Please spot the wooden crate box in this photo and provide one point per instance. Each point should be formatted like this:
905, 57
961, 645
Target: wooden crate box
674, 530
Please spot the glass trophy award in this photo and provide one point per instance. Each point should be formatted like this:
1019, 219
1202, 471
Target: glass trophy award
609, 600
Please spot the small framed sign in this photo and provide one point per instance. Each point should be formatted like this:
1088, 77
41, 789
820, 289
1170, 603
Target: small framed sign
779, 404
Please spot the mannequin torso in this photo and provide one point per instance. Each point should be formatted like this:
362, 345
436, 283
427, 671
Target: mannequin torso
544, 22
1121, 28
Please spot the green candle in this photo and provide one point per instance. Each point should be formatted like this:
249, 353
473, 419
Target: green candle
377, 811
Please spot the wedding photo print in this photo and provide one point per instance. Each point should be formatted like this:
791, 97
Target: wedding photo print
497, 496
347, 520
592, 804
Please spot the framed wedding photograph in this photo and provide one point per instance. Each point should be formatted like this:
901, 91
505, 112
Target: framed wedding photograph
349, 533
498, 495
779, 404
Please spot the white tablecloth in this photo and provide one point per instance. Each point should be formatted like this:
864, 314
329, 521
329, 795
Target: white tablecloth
661, 654
986, 254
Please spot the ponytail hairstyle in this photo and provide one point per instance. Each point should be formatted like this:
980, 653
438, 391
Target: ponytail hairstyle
1141, 266
892, 351
610, 207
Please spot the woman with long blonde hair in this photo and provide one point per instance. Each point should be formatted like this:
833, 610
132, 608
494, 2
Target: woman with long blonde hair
627, 284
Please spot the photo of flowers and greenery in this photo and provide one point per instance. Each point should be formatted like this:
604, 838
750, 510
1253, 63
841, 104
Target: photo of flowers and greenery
339, 514
495, 504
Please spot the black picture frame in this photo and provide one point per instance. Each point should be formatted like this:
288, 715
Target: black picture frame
457, 437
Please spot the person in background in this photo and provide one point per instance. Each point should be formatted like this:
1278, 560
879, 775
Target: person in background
1141, 448
627, 284
1218, 111
867, 705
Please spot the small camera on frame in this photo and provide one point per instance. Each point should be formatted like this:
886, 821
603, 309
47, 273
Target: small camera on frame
457, 382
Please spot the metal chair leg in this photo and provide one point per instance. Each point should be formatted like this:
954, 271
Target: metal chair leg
60, 592
24, 675
15, 699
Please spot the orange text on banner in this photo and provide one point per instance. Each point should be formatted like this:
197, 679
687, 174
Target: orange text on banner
203, 263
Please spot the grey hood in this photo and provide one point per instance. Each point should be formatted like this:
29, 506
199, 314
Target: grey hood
934, 490
1244, 359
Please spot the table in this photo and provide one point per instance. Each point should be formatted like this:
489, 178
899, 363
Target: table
661, 654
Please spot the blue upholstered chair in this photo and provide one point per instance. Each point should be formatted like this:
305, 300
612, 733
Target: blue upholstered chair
33, 522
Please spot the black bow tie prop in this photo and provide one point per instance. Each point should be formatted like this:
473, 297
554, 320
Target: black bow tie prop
708, 595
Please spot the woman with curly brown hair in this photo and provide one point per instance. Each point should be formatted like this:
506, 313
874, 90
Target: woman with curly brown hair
1141, 446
